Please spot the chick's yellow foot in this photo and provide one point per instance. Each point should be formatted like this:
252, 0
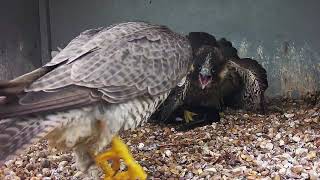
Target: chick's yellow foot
188, 116
119, 151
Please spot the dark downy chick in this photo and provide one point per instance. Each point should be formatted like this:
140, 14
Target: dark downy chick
219, 79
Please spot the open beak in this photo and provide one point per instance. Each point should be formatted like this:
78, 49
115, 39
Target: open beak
204, 80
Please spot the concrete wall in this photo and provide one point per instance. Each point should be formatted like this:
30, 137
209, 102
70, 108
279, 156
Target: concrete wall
282, 35
19, 37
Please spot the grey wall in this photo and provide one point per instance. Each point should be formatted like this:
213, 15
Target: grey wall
19, 37
282, 35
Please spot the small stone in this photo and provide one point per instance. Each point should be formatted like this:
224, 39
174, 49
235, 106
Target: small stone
45, 163
213, 170
288, 115
300, 151
281, 142
168, 153
18, 163
199, 171
32, 160
312, 155
296, 138
46, 172
297, 169
308, 120
251, 177
29, 166
304, 175
277, 177
238, 171
140, 146
317, 142
246, 116
189, 175
54, 158
62, 164
42, 154
278, 136
269, 146
313, 175
34, 178
282, 171
265, 173
246, 157
78, 174
9, 163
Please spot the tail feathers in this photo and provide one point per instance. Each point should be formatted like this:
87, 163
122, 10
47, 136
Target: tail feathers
17, 134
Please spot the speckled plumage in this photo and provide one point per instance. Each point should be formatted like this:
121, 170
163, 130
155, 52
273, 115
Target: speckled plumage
104, 81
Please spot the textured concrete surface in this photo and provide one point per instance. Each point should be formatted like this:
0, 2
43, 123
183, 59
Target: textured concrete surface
19, 37
282, 35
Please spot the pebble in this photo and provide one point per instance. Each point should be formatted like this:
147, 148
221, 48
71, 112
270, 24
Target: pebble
212, 170
246, 116
168, 153
297, 169
45, 163
311, 155
300, 151
140, 146
308, 120
62, 164
19, 163
78, 174
296, 138
288, 115
269, 146
46, 172
30, 166
281, 142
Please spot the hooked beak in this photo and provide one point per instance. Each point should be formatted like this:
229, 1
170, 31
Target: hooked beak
204, 79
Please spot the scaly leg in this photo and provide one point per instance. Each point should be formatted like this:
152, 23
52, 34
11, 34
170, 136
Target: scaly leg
188, 116
119, 151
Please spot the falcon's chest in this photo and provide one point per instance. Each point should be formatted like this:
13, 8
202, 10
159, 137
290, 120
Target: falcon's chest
97, 124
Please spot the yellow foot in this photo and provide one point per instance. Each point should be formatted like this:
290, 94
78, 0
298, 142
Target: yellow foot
188, 116
119, 151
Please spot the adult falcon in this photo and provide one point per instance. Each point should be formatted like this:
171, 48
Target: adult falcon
104, 81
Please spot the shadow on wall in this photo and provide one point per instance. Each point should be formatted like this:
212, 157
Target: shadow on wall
292, 70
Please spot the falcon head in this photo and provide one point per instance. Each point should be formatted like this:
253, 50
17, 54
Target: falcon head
209, 56
208, 63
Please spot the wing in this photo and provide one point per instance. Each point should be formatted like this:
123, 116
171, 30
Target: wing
173, 102
18, 84
121, 62
254, 81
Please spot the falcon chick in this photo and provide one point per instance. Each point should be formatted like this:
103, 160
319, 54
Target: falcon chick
104, 81
219, 79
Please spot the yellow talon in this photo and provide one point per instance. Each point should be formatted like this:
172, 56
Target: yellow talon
118, 151
188, 116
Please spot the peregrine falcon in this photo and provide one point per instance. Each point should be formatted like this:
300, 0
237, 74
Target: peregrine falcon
219, 78
104, 81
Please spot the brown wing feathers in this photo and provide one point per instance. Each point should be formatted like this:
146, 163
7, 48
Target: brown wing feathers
42, 102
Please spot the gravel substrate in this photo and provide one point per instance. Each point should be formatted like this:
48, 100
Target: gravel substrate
283, 144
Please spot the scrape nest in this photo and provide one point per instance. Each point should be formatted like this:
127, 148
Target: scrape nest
283, 144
